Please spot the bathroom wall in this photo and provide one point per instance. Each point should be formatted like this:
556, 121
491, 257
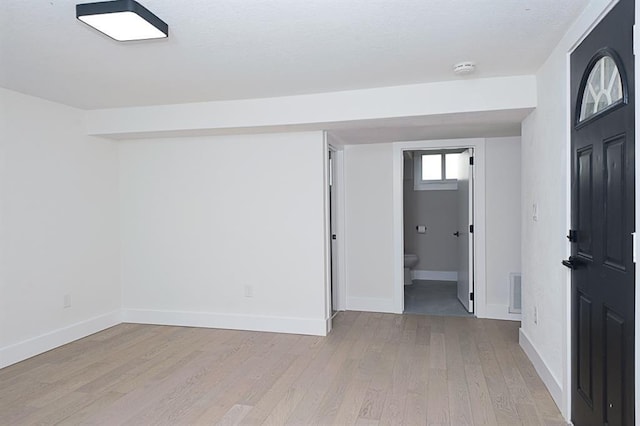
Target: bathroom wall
437, 249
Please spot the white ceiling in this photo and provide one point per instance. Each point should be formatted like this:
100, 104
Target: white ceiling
227, 49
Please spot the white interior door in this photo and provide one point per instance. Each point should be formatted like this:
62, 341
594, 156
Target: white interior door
465, 237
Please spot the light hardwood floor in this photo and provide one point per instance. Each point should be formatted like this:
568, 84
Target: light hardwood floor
372, 369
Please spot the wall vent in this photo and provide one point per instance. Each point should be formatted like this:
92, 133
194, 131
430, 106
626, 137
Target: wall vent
515, 293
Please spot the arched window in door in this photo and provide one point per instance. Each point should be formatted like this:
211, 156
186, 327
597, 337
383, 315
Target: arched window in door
604, 87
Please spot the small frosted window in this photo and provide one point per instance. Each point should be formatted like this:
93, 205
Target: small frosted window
603, 88
451, 165
432, 167
435, 171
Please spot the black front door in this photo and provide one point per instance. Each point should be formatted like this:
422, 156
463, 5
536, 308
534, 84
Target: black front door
602, 210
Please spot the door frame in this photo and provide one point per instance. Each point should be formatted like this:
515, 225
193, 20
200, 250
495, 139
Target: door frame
338, 186
478, 145
327, 235
636, 51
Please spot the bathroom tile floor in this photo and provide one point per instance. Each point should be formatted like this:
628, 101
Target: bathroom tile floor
433, 298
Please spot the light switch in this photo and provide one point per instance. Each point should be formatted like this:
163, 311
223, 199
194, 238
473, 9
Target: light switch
422, 229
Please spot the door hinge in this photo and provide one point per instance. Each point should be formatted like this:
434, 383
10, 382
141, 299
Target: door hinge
573, 236
471, 229
471, 296
471, 161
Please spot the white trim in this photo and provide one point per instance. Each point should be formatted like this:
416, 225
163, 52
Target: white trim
327, 232
552, 383
398, 228
371, 304
53, 339
309, 326
604, 6
500, 312
565, 402
417, 274
478, 145
328, 325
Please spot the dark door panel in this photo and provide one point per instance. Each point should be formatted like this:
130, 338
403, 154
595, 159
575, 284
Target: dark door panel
584, 193
603, 218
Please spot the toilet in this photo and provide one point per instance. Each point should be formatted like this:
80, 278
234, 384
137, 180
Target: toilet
410, 261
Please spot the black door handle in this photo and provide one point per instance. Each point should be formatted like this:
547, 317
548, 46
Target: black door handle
572, 263
457, 233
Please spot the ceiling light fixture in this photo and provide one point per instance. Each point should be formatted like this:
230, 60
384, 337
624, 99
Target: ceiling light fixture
122, 20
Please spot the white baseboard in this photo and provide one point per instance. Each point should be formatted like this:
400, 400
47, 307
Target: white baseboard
553, 385
310, 326
371, 304
45, 342
500, 312
417, 274
28, 348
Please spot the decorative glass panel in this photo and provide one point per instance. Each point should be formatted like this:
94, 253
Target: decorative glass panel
603, 88
431, 167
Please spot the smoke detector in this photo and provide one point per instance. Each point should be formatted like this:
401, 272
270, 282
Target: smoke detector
464, 68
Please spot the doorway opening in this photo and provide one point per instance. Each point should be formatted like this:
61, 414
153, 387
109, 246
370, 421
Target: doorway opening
438, 249
477, 211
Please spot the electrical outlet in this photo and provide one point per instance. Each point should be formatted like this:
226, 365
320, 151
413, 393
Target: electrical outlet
67, 301
248, 291
535, 315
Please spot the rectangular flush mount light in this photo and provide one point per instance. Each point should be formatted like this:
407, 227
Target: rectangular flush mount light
122, 20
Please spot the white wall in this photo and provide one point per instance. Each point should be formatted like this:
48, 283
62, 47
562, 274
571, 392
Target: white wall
369, 237
503, 240
58, 227
545, 182
458, 96
437, 249
204, 217
89, 217
370, 222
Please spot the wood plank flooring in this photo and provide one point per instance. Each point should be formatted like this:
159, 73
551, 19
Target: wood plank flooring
373, 369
